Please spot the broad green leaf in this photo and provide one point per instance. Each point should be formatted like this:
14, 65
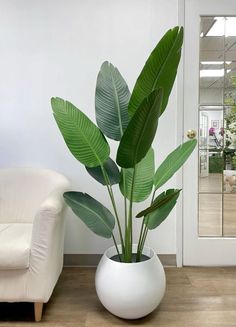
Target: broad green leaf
95, 216
83, 138
144, 172
111, 169
159, 70
155, 218
111, 102
173, 162
161, 200
139, 134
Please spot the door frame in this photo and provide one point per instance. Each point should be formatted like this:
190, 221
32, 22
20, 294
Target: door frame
180, 138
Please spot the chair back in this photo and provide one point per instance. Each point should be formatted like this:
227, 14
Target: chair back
22, 190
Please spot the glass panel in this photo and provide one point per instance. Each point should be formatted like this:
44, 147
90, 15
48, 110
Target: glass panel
203, 164
211, 158
230, 61
211, 129
230, 182
211, 61
229, 227
211, 172
230, 128
229, 148
210, 214
211, 183
230, 84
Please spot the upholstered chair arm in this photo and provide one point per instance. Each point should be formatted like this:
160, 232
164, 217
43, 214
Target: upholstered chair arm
48, 240
53, 204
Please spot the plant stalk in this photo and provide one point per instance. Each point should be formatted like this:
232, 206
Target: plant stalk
143, 240
126, 221
138, 256
114, 240
125, 201
129, 236
143, 234
109, 188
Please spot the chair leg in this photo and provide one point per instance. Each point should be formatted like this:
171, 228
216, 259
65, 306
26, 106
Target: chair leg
38, 309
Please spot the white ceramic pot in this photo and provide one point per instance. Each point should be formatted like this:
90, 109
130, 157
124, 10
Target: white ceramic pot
130, 290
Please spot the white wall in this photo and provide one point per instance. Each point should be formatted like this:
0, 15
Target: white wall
55, 48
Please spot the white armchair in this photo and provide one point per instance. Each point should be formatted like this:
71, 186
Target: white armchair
31, 234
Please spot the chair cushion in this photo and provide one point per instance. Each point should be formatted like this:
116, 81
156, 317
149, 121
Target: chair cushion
15, 240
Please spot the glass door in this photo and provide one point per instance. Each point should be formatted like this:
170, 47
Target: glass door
217, 133
210, 108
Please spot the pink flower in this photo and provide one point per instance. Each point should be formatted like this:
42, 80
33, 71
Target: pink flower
212, 131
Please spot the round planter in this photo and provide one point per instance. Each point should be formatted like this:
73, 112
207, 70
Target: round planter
130, 290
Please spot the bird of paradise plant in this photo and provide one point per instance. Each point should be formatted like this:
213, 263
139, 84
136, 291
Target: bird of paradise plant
132, 119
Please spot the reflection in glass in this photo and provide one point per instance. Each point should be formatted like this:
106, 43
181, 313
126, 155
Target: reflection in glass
230, 182
230, 128
211, 128
230, 149
211, 183
211, 167
211, 158
203, 163
229, 224
230, 26
211, 61
210, 215
217, 127
230, 58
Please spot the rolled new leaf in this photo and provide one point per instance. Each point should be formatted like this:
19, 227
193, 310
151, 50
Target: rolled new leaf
139, 134
95, 216
156, 217
162, 199
111, 102
173, 162
83, 138
143, 184
112, 171
159, 70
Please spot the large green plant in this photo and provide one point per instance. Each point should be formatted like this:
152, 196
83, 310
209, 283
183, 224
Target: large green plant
132, 120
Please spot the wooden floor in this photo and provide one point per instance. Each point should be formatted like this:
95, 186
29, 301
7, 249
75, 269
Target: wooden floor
195, 297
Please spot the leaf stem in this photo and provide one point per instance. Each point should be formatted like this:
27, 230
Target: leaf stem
109, 188
125, 201
129, 238
114, 240
125, 211
138, 256
143, 239
143, 234
125, 207
140, 235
